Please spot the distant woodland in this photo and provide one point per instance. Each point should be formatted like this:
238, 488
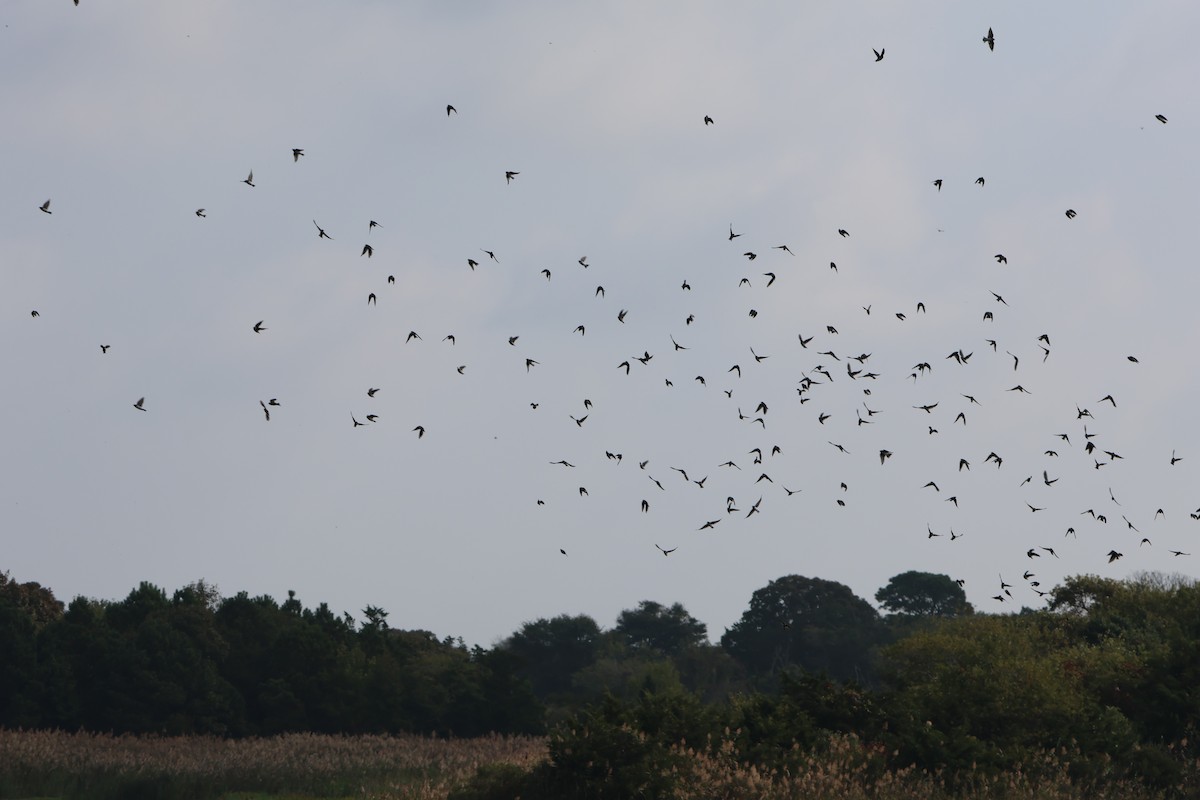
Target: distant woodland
1107, 677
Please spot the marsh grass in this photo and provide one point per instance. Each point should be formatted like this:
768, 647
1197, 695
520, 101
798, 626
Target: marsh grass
85, 766
88, 766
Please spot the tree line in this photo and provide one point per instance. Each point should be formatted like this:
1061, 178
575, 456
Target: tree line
1108, 670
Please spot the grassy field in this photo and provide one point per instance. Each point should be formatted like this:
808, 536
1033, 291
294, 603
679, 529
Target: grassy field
86, 766
83, 766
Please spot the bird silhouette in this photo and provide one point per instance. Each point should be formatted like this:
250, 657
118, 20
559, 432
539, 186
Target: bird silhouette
296, 153
879, 53
140, 404
249, 179
990, 40
45, 207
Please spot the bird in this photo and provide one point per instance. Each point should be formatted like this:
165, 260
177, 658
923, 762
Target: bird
321, 234
139, 405
371, 392
884, 455
372, 300
990, 40
45, 207
104, 348
450, 110
249, 179
472, 263
367, 251
509, 175
357, 424
296, 153
266, 411
666, 552
1161, 118
621, 315
1000, 259
938, 184
490, 255
372, 224
708, 120
419, 430
980, 180
583, 262
34, 313
258, 327
413, 335
1174, 458
1070, 213
200, 212
732, 235
529, 364
843, 232
878, 53
1113, 555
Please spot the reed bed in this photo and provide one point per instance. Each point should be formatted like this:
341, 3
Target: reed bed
846, 772
90, 765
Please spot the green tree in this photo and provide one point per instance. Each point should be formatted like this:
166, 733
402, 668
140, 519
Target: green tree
654, 626
553, 650
923, 594
815, 624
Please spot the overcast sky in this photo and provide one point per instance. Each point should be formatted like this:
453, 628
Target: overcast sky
129, 115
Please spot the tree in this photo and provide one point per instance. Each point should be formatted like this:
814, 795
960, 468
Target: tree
553, 650
811, 623
923, 594
654, 626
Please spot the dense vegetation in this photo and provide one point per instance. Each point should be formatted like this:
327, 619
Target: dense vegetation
1101, 687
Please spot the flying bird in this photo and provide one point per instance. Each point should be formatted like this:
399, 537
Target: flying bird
878, 53
708, 120
139, 405
1161, 118
45, 207
938, 184
200, 212
296, 153
509, 175
1070, 213
450, 110
249, 179
990, 40
258, 327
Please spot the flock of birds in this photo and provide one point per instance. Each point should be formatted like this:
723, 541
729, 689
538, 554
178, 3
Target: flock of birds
834, 393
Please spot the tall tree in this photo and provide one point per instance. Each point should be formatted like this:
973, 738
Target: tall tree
923, 594
811, 623
654, 626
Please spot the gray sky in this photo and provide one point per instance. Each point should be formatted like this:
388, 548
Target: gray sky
130, 115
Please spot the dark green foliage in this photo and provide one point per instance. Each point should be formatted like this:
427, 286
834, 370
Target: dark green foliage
652, 626
923, 594
195, 663
814, 624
